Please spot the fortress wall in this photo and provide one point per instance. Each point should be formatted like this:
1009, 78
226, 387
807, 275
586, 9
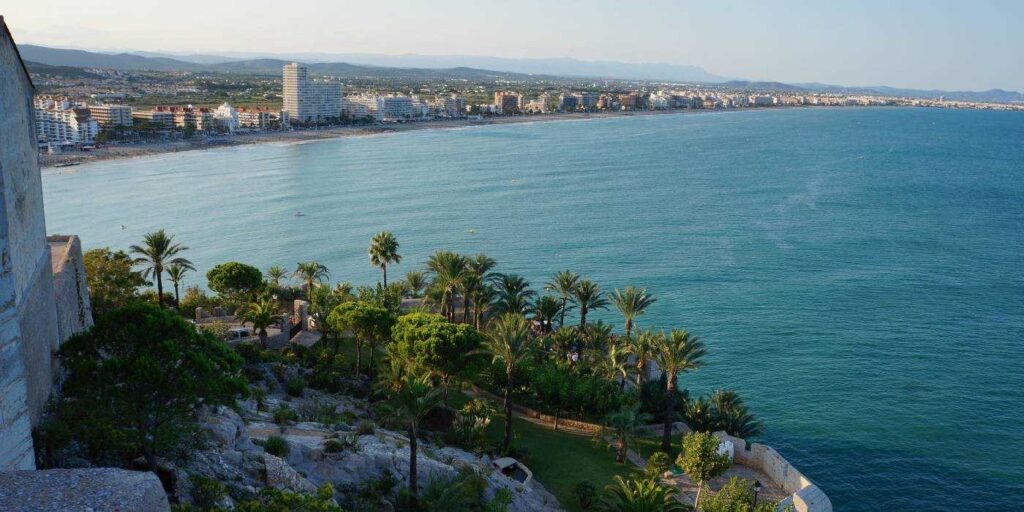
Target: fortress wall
20, 220
27, 255
74, 313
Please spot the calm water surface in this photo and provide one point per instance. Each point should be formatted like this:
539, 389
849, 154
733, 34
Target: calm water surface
858, 274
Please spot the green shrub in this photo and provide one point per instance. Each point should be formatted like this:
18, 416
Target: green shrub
285, 414
249, 351
657, 464
333, 446
738, 496
584, 492
295, 386
135, 381
206, 492
273, 500
365, 427
276, 445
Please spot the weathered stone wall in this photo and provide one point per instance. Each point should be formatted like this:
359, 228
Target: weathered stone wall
804, 495
22, 251
74, 313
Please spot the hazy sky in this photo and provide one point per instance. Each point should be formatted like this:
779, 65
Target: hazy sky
966, 44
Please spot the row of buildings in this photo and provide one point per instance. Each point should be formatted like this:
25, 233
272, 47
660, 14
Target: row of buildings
61, 123
311, 101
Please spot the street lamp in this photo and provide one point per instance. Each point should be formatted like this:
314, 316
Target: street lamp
757, 490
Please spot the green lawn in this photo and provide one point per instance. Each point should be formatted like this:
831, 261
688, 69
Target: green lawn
645, 446
559, 460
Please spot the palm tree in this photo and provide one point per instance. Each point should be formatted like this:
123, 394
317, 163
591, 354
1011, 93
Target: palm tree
384, 251
700, 415
508, 341
275, 274
470, 282
624, 424
514, 293
588, 296
676, 353
481, 264
631, 303
640, 495
545, 310
482, 298
563, 283
614, 365
176, 273
411, 398
417, 281
311, 272
642, 347
157, 252
448, 269
261, 314
731, 415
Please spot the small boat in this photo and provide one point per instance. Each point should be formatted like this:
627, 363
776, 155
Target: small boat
300, 214
513, 469
472, 231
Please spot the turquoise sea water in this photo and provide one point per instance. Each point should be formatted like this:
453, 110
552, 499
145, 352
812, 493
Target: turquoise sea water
857, 274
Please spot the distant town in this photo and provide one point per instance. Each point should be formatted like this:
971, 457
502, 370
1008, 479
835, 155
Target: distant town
81, 109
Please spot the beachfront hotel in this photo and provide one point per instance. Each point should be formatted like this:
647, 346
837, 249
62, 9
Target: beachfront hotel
112, 115
307, 100
59, 123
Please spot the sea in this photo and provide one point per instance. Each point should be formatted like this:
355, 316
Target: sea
857, 274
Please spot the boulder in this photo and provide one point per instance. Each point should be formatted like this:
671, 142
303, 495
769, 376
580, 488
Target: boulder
280, 475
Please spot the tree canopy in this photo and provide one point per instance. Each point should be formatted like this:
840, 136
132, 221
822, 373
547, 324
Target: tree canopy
233, 279
434, 343
135, 380
111, 281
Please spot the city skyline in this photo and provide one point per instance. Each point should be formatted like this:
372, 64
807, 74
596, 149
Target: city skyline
916, 44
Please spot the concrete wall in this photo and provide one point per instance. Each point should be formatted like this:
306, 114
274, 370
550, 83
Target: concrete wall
804, 495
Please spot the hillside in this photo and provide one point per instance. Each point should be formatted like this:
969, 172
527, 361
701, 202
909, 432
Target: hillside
37, 68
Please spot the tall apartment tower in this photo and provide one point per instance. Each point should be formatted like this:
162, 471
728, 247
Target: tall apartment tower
306, 100
296, 91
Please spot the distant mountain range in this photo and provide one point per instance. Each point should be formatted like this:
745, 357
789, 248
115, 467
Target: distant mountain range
452, 67
44, 56
991, 95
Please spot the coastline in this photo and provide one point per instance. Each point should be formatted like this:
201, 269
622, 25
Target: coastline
123, 151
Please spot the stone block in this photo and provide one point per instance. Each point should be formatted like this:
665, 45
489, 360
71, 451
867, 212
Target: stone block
82, 489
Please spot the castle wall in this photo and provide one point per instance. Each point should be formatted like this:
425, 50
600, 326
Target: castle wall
74, 313
28, 312
16, 198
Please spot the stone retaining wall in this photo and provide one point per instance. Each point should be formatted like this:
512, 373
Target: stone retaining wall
804, 495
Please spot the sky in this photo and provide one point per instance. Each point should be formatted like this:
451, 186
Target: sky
943, 44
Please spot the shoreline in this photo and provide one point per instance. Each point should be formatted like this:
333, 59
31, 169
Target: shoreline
133, 150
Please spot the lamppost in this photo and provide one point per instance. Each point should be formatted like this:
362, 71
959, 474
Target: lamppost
757, 490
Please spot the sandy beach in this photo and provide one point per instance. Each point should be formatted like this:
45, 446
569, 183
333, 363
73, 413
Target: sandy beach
117, 151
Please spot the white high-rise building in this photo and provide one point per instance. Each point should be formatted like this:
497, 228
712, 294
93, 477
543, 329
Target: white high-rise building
59, 123
307, 100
